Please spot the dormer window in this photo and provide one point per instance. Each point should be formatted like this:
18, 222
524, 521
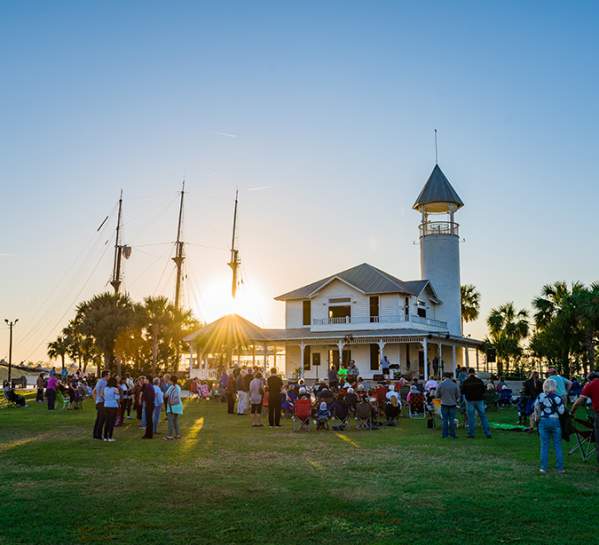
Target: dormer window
421, 311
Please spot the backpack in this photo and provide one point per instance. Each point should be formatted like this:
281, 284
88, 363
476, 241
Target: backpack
174, 398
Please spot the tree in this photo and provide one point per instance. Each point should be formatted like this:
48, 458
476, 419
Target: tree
58, 349
470, 297
103, 318
507, 329
558, 332
586, 302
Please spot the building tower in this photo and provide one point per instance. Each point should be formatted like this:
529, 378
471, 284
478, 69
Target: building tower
440, 246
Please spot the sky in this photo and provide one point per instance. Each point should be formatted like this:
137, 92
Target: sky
322, 114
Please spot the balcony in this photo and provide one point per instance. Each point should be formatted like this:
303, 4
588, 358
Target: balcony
428, 321
439, 228
374, 322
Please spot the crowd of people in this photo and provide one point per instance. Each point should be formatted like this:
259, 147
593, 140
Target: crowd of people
544, 405
115, 397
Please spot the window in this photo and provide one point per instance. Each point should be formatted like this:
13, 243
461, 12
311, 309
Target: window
307, 358
421, 311
374, 309
316, 359
374, 357
407, 309
340, 300
340, 314
306, 312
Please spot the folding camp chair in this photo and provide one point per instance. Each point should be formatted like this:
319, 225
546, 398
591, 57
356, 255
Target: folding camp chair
416, 406
586, 442
363, 415
302, 415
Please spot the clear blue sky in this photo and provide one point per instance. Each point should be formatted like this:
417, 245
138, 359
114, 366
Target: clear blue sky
322, 113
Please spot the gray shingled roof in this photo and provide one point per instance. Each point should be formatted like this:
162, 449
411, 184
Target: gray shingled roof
438, 189
364, 277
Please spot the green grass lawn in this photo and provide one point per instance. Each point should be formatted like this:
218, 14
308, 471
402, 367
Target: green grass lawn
227, 483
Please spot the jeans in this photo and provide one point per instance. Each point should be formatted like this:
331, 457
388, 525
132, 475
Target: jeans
550, 429
274, 411
477, 407
51, 396
99, 424
448, 414
39, 396
156, 417
173, 425
109, 420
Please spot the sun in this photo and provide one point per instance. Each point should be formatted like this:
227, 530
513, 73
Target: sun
216, 301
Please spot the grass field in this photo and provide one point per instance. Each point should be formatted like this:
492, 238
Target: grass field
227, 483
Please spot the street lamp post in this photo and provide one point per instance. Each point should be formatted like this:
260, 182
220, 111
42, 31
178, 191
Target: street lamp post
10, 326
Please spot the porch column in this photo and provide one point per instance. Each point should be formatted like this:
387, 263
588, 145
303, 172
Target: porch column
477, 359
274, 356
190, 359
381, 344
425, 350
266, 358
340, 345
302, 346
466, 357
440, 356
254, 355
453, 359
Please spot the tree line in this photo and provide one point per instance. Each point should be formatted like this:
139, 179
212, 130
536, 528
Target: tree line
562, 331
110, 331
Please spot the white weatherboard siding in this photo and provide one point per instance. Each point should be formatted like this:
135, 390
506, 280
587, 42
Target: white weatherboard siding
336, 289
294, 314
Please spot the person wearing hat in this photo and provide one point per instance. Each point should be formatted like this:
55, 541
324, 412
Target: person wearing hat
590, 391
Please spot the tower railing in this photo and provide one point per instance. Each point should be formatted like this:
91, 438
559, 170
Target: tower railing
439, 228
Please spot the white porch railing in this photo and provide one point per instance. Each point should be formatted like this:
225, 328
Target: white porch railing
427, 321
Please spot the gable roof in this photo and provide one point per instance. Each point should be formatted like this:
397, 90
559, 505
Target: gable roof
365, 278
438, 189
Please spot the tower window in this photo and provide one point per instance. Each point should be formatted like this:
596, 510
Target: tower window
374, 309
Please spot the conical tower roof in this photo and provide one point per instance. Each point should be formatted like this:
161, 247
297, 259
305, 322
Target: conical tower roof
437, 191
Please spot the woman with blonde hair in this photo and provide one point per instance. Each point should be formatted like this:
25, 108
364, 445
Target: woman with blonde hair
548, 408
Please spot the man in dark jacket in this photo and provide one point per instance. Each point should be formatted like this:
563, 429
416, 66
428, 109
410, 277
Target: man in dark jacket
473, 389
147, 399
275, 385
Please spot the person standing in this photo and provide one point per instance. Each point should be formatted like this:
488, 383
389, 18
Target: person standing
39, 396
147, 399
333, 381
158, 401
130, 385
385, 366
275, 385
111, 406
449, 394
174, 408
473, 389
242, 392
532, 389
548, 408
591, 391
98, 395
562, 384
51, 388
256, 393
231, 391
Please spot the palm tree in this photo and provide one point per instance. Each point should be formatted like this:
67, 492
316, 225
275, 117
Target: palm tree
159, 317
507, 329
556, 313
58, 349
470, 303
103, 318
586, 302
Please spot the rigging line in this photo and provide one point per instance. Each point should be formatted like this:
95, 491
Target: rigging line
161, 275
75, 269
70, 307
210, 247
134, 225
150, 266
150, 244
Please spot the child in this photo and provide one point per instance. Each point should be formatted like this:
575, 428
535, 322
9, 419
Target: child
323, 416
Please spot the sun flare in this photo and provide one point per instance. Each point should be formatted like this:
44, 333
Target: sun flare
216, 301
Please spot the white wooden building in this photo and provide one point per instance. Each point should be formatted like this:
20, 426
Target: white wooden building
364, 313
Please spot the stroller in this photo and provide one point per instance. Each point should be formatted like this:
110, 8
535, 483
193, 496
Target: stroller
302, 415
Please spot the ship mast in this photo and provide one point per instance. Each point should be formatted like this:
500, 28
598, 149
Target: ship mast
179, 257
118, 251
235, 262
